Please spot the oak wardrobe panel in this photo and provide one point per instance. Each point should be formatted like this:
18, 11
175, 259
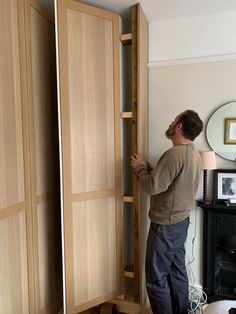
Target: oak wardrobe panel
30, 255
44, 161
88, 50
16, 263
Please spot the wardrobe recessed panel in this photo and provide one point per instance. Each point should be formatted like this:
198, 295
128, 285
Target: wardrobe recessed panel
94, 246
13, 265
12, 188
91, 98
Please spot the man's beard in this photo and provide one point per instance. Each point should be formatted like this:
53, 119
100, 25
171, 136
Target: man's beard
170, 132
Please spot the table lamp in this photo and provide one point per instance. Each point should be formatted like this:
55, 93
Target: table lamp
208, 163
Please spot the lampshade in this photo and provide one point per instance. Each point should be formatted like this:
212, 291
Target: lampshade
208, 160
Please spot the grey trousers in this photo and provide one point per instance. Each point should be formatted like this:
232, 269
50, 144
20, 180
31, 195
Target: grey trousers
166, 276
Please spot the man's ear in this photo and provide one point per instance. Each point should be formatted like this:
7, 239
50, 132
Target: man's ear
179, 126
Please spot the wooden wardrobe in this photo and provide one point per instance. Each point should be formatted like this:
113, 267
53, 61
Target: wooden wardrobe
30, 238
72, 232
95, 189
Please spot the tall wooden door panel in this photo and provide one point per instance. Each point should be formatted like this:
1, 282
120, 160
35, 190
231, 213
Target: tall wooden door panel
44, 163
88, 49
16, 288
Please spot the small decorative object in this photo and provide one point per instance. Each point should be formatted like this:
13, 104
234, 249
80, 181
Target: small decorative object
231, 202
208, 163
225, 184
230, 131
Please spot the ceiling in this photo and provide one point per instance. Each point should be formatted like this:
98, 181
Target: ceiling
158, 10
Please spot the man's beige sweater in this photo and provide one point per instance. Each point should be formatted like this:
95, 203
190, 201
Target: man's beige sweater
172, 184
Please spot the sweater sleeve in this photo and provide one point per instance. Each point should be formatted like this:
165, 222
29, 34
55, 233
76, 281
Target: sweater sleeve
163, 175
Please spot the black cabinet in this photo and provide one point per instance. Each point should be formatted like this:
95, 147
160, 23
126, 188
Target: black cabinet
219, 251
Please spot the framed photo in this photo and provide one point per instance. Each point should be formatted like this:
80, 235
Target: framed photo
224, 184
230, 131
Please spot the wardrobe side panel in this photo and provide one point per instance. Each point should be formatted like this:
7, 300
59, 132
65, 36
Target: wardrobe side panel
44, 158
142, 81
139, 143
142, 97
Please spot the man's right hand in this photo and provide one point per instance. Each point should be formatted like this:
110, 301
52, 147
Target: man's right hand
136, 161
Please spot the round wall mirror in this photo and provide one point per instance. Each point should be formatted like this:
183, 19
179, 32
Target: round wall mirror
221, 131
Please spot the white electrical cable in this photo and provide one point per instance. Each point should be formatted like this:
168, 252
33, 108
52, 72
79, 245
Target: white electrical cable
193, 242
197, 297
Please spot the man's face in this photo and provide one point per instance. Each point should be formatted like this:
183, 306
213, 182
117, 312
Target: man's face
170, 132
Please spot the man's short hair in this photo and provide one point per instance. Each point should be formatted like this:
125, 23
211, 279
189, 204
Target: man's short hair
191, 123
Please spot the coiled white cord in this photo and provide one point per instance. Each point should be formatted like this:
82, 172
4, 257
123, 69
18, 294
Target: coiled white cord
197, 298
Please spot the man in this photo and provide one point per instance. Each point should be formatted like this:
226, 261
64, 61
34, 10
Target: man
172, 185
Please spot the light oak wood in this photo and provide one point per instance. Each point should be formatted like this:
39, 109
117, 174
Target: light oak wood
136, 194
139, 126
90, 124
142, 84
126, 115
142, 143
13, 265
94, 234
43, 100
93, 74
129, 271
12, 210
16, 267
11, 135
128, 199
92, 195
126, 39
129, 274
44, 164
26, 144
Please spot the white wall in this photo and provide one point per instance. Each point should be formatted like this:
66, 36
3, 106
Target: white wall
182, 75
186, 39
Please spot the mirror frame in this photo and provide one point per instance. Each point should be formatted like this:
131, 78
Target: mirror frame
224, 129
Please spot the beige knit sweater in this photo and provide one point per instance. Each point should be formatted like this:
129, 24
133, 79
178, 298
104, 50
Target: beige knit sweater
172, 184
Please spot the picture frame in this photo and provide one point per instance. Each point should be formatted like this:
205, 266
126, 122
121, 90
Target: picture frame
230, 131
224, 184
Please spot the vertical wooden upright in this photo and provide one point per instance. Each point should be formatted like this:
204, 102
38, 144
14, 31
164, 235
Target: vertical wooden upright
138, 42
44, 157
139, 128
88, 50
